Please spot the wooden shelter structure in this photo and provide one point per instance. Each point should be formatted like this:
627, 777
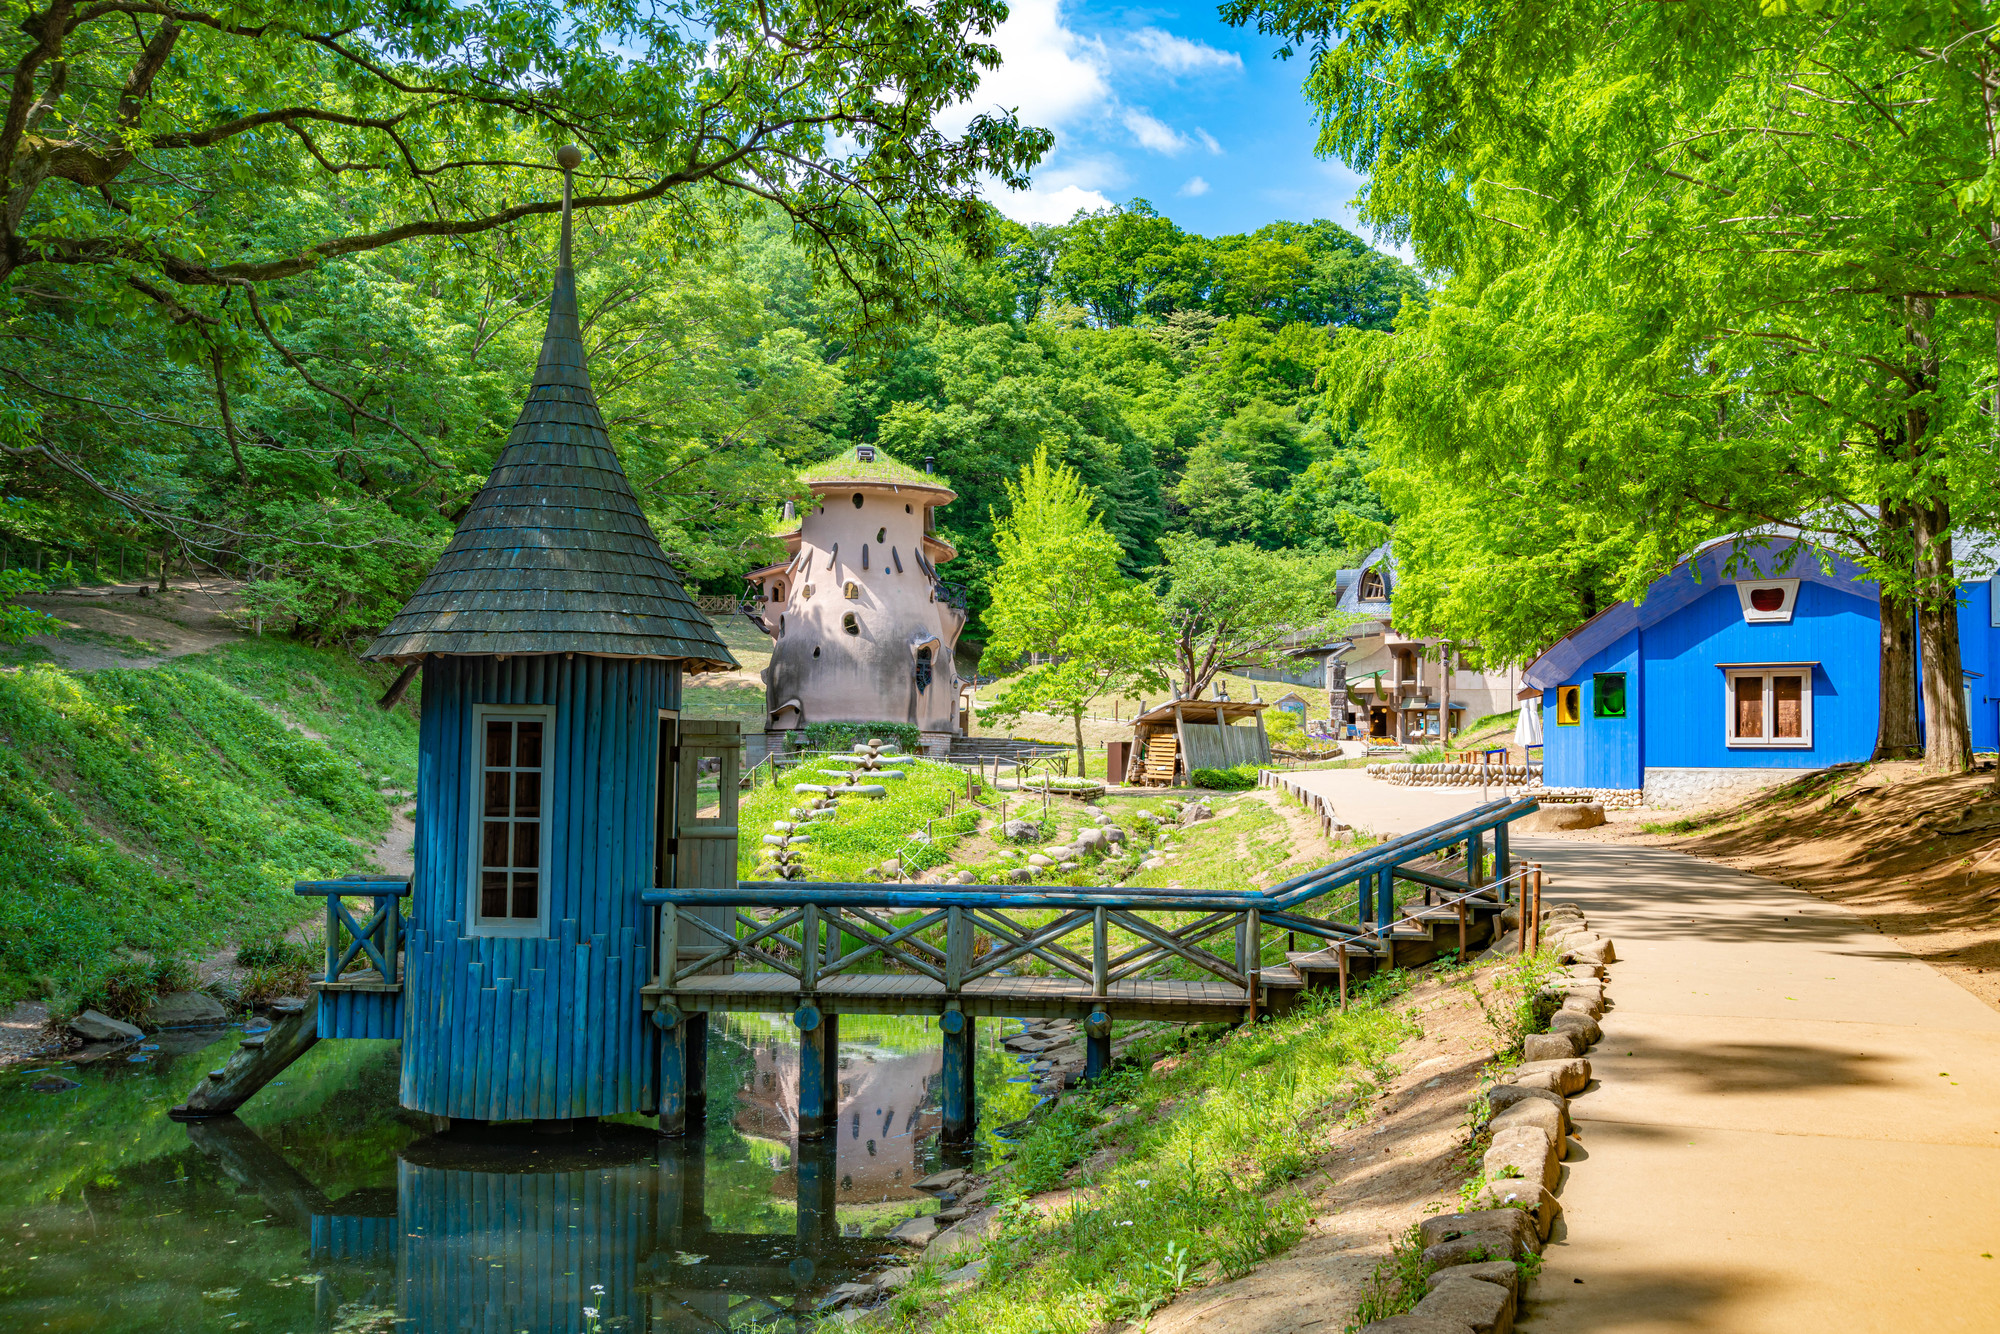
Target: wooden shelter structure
1172, 740
556, 782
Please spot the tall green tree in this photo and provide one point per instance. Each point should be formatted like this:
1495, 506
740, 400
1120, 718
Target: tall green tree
1234, 606
1060, 601
1783, 218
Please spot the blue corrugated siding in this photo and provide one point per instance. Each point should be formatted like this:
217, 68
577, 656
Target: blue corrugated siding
1598, 752
360, 1014
1685, 711
511, 1028
1979, 652
554, 1252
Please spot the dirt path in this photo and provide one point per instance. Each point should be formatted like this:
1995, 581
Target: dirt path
119, 626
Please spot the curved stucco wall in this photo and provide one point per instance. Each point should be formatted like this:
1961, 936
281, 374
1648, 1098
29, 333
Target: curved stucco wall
870, 675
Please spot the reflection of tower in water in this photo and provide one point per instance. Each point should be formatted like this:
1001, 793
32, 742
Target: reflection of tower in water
888, 1112
607, 1232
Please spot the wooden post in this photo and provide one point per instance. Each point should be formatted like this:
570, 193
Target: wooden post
1460, 905
1100, 954
673, 1034
819, 1071
1503, 861
959, 1065
1385, 899
1097, 1043
392, 911
1342, 947
670, 945
809, 948
332, 937
1253, 960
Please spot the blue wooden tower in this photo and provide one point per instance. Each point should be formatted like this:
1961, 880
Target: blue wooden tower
553, 635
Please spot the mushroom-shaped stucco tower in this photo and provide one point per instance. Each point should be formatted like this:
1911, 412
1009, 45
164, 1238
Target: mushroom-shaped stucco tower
865, 627
553, 635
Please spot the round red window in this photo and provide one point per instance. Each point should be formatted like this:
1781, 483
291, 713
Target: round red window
1767, 599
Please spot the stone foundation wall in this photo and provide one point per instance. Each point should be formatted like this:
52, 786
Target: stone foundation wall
935, 745
1454, 775
1619, 798
1703, 787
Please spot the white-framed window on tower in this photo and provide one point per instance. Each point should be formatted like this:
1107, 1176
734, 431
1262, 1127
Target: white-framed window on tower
1768, 706
513, 747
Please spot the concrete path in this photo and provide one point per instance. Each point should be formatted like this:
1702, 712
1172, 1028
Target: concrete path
1795, 1125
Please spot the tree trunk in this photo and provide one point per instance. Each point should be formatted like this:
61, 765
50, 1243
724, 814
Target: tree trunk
1896, 734
1947, 740
1077, 718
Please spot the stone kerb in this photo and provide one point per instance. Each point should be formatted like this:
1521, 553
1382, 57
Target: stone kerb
1453, 775
1473, 1275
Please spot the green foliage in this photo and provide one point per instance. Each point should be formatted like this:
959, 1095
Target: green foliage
1235, 778
170, 809
906, 739
1058, 592
1234, 607
18, 623
1198, 1150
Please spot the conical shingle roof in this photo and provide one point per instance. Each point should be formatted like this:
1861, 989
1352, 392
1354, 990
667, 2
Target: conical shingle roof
555, 555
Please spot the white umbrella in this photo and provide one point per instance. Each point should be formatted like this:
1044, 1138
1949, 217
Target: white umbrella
1528, 727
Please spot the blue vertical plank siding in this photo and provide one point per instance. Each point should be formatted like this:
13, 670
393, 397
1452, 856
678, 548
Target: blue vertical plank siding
1979, 655
360, 1014
536, 1027
1597, 752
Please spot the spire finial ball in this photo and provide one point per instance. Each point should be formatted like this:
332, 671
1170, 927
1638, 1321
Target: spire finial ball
569, 157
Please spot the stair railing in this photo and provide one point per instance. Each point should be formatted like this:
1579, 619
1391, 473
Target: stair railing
379, 936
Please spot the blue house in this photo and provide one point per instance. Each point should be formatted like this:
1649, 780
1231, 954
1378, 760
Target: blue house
1723, 677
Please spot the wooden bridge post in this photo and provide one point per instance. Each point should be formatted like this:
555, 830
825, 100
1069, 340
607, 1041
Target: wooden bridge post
672, 1044
1385, 899
1475, 858
819, 1070
1097, 1043
958, 1098
1502, 858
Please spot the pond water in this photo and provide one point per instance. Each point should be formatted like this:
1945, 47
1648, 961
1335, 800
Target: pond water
325, 1208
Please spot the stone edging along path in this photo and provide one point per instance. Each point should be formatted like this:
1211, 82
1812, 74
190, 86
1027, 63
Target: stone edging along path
1475, 1284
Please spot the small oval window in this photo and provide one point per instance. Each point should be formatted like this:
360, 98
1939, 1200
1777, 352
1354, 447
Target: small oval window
881, 534
850, 624
857, 500
806, 592
907, 510
815, 650
781, 627
851, 592
1767, 599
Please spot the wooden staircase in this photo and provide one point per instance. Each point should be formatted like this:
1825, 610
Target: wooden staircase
1433, 934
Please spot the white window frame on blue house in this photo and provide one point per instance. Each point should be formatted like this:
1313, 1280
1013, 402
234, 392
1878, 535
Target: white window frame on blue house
1765, 673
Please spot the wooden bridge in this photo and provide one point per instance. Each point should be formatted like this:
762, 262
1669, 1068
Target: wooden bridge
1099, 955
815, 951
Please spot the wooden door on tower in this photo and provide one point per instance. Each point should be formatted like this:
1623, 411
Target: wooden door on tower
701, 767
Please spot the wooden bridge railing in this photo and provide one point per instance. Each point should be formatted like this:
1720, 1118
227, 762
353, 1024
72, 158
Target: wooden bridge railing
379, 937
813, 932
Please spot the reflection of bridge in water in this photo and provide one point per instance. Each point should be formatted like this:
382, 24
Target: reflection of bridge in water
605, 1232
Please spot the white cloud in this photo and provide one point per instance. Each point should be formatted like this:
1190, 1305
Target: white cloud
1179, 55
1048, 72
1154, 134
1042, 205
1194, 188
1207, 140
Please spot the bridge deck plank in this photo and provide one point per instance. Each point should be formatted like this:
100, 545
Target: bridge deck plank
898, 993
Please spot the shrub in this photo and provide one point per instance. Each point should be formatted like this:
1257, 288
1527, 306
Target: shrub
1226, 780
845, 736
124, 990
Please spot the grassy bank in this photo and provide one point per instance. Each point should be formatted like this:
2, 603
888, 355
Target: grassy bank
1177, 1178
167, 811
867, 830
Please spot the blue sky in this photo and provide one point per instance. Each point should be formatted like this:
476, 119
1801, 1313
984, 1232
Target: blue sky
1164, 102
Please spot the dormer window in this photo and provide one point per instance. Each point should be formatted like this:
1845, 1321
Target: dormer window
1374, 588
864, 453
1767, 601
